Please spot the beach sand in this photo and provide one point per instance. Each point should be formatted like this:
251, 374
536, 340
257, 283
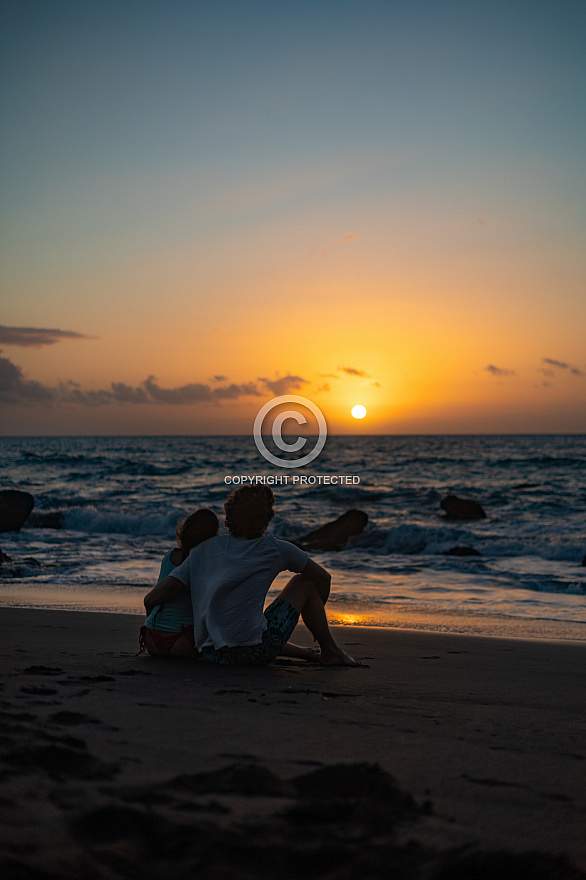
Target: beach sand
448, 756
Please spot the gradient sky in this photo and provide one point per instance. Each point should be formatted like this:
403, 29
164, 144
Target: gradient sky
205, 204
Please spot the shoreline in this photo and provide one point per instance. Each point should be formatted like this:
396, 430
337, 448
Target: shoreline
103, 749
341, 612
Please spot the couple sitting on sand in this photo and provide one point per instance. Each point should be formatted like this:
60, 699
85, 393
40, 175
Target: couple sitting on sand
211, 596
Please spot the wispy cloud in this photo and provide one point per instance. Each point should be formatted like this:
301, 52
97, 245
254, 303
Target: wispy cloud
352, 371
562, 365
499, 371
36, 337
345, 238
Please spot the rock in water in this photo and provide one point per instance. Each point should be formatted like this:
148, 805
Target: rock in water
15, 508
335, 534
46, 520
462, 551
461, 508
584, 561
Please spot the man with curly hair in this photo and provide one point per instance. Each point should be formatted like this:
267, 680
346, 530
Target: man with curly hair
229, 577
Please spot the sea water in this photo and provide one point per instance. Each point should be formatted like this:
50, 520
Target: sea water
120, 499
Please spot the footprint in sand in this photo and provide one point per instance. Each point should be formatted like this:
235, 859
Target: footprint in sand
39, 691
71, 719
43, 670
69, 758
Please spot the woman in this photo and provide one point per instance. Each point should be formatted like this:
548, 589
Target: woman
168, 630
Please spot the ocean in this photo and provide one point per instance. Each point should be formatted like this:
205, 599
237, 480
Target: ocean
120, 498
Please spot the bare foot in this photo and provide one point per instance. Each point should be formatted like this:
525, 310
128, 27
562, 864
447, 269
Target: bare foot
338, 657
311, 655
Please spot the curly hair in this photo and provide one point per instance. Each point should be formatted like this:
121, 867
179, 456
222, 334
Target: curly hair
249, 510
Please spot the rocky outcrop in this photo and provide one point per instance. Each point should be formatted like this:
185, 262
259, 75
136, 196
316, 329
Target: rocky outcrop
334, 535
461, 508
584, 561
4, 557
462, 551
15, 508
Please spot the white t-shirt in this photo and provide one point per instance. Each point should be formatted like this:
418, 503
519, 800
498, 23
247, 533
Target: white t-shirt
229, 578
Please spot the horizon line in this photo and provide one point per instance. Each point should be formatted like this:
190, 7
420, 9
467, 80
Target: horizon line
249, 436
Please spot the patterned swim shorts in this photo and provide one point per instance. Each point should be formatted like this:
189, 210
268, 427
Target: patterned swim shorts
282, 618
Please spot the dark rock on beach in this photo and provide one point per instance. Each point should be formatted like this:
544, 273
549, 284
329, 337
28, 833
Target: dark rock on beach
584, 561
4, 557
52, 520
334, 535
15, 508
461, 508
462, 551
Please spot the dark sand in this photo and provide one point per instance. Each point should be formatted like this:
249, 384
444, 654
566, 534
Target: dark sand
472, 754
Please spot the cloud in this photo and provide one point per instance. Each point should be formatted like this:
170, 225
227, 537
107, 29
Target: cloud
499, 371
219, 378
346, 238
376, 384
562, 365
352, 371
14, 388
197, 392
34, 337
232, 392
70, 392
127, 394
324, 387
285, 384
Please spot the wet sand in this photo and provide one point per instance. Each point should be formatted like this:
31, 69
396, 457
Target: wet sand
447, 756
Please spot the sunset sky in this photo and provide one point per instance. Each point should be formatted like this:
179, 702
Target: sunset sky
208, 204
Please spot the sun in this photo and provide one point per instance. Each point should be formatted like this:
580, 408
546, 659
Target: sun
358, 411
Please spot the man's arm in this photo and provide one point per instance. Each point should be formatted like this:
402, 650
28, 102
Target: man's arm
320, 577
167, 589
